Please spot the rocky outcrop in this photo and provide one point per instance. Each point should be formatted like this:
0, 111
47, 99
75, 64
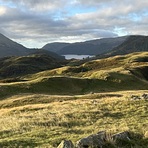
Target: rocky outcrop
96, 140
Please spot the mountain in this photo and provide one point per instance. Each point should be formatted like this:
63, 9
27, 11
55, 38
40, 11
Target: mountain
92, 47
11, 48
134, 43
55, 47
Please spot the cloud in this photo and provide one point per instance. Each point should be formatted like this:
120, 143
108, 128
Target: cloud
36, 22
38, 5
2, 10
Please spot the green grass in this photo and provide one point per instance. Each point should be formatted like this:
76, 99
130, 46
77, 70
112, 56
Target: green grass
44, 120
71, 102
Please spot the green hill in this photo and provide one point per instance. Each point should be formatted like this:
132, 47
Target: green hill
40, 109
105, 75
12, 67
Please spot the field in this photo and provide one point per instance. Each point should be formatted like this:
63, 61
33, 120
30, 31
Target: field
44, 120
71, 102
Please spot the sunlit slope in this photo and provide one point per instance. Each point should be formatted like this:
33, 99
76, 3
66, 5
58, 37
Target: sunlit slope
112, 74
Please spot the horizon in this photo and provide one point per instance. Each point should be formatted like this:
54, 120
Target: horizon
34, 24
70, 42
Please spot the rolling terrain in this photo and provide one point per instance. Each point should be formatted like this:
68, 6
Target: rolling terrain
45, 99
103, 75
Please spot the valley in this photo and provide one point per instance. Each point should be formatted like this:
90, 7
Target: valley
45, 98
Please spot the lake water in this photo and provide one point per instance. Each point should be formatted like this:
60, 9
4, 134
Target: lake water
74, 56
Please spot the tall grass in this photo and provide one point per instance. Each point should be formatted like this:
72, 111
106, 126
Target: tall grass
45, 124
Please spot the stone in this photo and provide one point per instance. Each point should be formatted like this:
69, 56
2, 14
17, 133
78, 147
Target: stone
121, 136
95, 141
66, 144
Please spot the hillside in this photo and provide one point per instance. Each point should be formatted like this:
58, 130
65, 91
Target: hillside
106, 75
92, 47
22, 65
72, 102
55, 47
11, 48
130, 45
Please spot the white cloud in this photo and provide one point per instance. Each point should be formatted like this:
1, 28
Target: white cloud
35, 22
2, 10
38, 5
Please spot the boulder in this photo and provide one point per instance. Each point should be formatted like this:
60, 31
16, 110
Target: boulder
95, 141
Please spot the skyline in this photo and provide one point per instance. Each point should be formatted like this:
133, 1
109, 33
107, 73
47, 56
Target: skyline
35, 23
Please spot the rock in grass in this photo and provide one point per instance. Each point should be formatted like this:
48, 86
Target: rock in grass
95, 140
66, 144
121, 136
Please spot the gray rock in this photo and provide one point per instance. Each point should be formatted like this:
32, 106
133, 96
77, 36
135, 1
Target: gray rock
95, 141
121, 136
66, 144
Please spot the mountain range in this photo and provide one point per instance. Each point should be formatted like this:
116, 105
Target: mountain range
10, 48
92, 47
134, 43
105, 47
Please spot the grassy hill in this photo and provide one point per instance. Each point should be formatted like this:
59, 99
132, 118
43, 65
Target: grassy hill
105, 75
71, 102
13, 67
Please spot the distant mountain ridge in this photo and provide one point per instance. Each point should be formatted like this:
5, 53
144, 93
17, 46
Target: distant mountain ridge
55, 47
91, 47
10, 48
134, 43
105, 47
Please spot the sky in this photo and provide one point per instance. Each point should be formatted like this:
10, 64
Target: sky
34, 23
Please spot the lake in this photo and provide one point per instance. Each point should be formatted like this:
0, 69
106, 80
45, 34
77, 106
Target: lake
74, 56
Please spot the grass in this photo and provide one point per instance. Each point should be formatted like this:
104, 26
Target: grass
44, 120
71, 102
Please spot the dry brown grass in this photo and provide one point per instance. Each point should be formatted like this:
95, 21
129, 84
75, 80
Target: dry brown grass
68, 117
